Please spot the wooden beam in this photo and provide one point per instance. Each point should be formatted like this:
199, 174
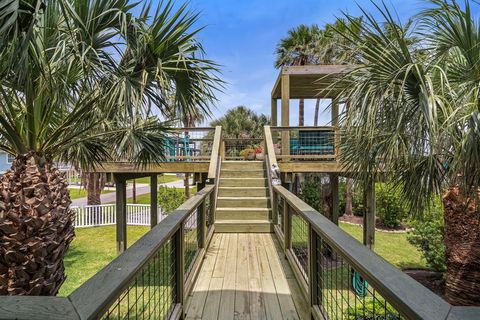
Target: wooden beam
334, 186
311, 166
153, 200
369, 217
274, 112
164, 167
121, 212
314, 69
285, 114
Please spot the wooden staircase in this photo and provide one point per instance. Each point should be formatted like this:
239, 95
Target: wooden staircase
243, 203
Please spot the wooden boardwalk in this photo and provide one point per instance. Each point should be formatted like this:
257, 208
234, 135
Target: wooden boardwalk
246, 276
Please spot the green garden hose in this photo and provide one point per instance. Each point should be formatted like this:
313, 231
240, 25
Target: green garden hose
360, 285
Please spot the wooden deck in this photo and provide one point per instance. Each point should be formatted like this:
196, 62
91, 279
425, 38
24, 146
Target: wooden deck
246, 276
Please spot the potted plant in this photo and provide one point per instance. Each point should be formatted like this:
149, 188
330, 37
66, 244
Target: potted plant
248, 154
259, 155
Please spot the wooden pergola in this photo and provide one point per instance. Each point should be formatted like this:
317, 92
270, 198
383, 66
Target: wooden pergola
317, 82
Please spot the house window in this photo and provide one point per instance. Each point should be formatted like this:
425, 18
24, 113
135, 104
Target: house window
10, 158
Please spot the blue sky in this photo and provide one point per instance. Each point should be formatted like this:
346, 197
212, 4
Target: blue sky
242, 35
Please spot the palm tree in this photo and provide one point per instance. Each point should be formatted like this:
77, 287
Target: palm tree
78, 83
298, 49
413, 117
241, 122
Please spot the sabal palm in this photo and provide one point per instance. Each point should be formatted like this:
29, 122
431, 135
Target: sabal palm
414, 114
79, 81
299, 48
242, 122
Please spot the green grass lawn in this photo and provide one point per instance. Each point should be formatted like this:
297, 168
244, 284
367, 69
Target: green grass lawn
91, 250
394, 247
76, 193
161, 179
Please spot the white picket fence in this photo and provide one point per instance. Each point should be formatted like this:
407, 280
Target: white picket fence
104, 215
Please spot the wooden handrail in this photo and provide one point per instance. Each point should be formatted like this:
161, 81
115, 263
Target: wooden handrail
270, 151
400, 290
310, 128
217, 142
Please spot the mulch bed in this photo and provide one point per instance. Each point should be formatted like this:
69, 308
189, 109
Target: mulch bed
429, 279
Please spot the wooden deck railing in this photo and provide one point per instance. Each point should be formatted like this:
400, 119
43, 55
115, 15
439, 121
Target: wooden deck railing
343, 279
150, 280
306, 143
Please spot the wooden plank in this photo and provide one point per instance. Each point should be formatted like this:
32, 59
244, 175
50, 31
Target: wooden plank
217, 141
311, 166
256, 295
314, 69
212, 304
242, 309
281, 285
272, 305
227, 304
199, 293
269, 146
220, 264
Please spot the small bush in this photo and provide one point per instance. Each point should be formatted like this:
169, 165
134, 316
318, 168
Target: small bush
310, 191
372, 307
428, 237
170, 199
391, 209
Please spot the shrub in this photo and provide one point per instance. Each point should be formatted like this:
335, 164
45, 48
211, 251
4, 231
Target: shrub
390, 205
245, 153
428, 237
370, 307
310, 191
170, 199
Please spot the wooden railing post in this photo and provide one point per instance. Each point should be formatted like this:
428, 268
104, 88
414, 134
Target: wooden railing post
121, 212
202, 224
274, 208
287, 225
313, 267
178, 264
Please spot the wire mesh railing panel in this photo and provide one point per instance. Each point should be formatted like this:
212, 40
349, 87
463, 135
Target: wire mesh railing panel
189, 145
306, 143
299, 234
209, 203
243, 149
151, 295
343, 293
191, 238
280, 209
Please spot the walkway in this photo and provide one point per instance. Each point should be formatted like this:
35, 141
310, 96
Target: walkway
244, 276
142, 188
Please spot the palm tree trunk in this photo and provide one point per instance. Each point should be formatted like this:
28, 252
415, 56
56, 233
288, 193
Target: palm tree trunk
462, 247
134, 191
36, 227
349, 197
317, 111
95, 183
187, 185
301, 112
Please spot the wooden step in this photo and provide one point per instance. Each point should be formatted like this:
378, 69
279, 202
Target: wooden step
243, 182
238, 213
250, 226
241, 165
243, 192
243, 202
244, 173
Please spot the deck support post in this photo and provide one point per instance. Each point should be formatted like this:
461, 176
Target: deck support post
121, 212
336, 137
369, 215
201, 180
153, 200
285, 113
274, 121
334, 186
178, 265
